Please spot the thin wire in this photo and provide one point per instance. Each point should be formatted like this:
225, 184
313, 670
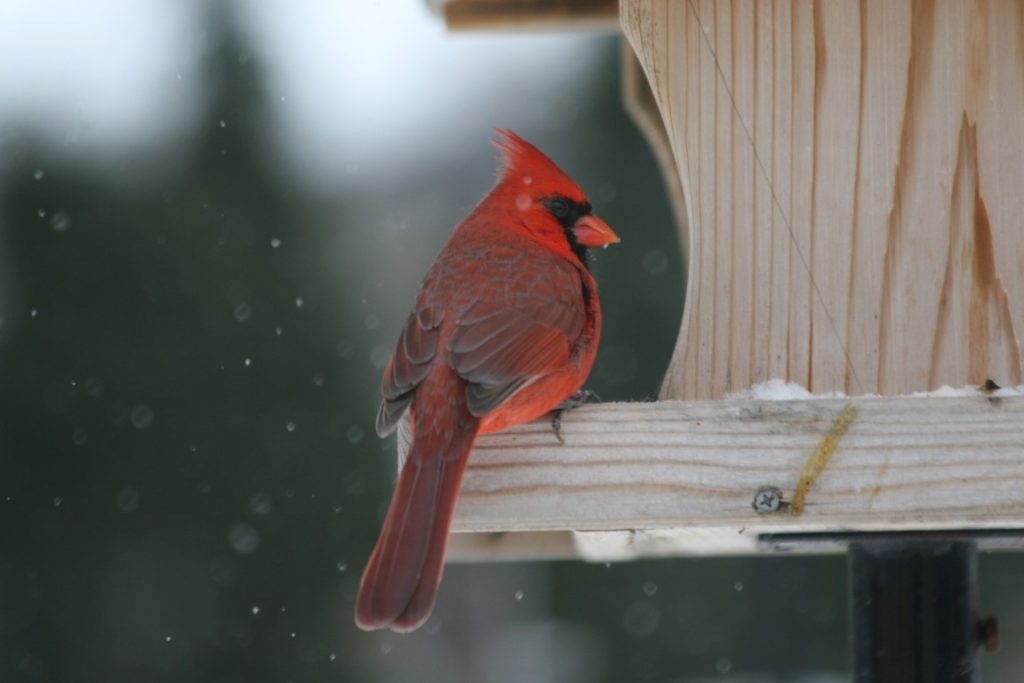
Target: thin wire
775, 198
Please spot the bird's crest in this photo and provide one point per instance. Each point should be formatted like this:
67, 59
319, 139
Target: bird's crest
522, 163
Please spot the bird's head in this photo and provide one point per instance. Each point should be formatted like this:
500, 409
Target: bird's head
555, 211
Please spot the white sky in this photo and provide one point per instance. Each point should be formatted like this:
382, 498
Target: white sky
99, 75
356, 77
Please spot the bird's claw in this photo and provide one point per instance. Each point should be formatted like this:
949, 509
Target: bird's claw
574, 401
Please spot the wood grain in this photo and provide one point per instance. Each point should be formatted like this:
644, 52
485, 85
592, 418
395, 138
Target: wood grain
852, 176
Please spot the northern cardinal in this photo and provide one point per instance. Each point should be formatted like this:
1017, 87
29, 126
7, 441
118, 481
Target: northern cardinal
505, 329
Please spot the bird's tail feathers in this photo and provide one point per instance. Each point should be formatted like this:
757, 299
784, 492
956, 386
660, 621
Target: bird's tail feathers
400, 583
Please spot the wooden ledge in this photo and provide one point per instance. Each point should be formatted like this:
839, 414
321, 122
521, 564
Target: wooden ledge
532, 15
669, 478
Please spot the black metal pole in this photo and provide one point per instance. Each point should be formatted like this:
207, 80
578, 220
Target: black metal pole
913, 609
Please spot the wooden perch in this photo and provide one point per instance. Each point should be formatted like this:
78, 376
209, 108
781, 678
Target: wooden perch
681, 477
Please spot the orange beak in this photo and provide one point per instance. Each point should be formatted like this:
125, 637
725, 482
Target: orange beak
592, 232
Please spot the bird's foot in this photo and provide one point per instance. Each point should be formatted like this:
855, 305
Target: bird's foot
574, 401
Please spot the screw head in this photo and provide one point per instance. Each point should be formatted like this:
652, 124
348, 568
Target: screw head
767, 499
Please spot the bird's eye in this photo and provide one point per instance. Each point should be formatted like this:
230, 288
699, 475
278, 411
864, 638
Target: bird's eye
559, 207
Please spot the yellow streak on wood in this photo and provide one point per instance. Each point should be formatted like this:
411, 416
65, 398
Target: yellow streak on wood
820, 457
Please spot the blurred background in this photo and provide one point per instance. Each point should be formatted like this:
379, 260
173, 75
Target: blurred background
213, 217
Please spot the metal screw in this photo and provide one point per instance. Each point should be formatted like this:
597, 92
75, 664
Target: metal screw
767, 499
988, 634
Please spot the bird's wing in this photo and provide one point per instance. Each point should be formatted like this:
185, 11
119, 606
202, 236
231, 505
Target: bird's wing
409, 363
501, 344
520, 321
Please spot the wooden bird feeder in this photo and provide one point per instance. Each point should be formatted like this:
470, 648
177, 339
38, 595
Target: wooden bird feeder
848, 180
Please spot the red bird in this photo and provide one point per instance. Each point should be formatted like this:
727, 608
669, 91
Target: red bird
505, 329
